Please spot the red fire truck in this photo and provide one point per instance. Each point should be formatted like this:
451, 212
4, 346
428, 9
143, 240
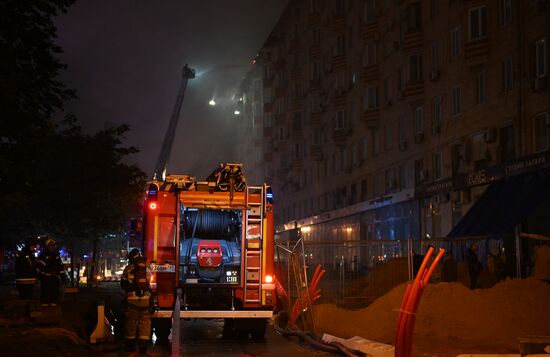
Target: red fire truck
210, 247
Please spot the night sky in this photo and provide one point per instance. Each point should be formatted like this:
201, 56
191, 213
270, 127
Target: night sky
125, 58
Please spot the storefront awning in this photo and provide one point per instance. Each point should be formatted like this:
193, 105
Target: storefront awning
504, 205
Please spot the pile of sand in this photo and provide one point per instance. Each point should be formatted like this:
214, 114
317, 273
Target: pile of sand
495, 316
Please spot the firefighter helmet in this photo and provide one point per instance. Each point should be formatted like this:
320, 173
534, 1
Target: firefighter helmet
134, 253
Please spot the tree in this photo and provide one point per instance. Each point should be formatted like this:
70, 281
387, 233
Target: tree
31, 90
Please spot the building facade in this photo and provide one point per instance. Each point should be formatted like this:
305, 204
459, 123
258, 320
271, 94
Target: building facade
387, 120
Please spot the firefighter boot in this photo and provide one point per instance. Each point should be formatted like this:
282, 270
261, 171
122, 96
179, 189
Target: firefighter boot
129, 345
143, 344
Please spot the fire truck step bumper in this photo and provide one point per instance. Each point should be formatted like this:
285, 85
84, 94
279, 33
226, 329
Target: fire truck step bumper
218, 314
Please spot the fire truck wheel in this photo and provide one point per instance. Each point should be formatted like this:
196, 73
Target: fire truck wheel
257, 332
161, 328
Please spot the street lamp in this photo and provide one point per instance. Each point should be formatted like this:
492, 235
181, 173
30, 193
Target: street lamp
212, 102
237, 112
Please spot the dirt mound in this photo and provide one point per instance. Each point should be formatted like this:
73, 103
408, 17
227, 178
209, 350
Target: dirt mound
495, 316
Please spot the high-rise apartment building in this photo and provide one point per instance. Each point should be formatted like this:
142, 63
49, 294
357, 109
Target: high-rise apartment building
389, 119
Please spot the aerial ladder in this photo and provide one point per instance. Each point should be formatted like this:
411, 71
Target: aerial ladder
164, 156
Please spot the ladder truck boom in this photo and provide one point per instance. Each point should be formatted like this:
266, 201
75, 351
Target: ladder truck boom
164, 155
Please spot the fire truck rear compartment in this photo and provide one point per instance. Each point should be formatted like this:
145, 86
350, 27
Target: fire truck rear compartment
210, 251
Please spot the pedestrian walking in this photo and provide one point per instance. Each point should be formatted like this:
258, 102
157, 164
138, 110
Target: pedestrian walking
25, 269
135, 283
449, 269
474, 266
50, 270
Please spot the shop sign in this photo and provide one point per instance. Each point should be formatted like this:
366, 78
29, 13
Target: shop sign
526, 164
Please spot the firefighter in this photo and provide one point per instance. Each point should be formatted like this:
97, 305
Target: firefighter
51, 271
135, 282
25, 269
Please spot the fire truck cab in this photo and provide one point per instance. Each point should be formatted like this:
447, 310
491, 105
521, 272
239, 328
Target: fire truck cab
210, 248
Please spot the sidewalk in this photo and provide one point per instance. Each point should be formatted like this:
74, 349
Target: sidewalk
27, 329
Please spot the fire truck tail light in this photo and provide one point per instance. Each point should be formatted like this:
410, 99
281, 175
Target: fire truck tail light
153, 205
268, 279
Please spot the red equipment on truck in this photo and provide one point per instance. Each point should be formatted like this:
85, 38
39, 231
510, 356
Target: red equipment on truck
214, 240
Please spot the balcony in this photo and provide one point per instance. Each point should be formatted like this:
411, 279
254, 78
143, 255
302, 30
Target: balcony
370, 74
295, 73
297, 165
339, 62
370, 32
280, 92
371, 118
339, 135
314, 19
315, 83
338, 23
268, 132
316, 152
297, 103
340, 99
315, 119
414, 88
314, 52
476, 52
413, 39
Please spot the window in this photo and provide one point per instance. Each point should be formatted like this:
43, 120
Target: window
402, 128
340, 45
354, 155
375, 142
371, 99
315, 103
369, 55
414, 16
388, 140
542, 132
401, 77
434, 8
341, 82
438, 165
268, 71
391, 182
507, 75
364, 149
403, 176
387, 90
316, 37
415, 67
315, 70
369, 11
459, 158
364, 191
481, 87
457, 100
313, 6
456, 43
419, 120
419, 173
340, 122
297, 121
436, 114
316, 137
280, 106
435, 58
478, 23
479, 147
507, 143
340, 8
540, 58
268, 120
505, 12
